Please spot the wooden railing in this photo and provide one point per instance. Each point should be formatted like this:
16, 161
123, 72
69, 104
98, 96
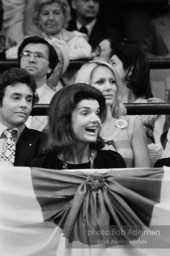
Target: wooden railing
132, 109
155, 63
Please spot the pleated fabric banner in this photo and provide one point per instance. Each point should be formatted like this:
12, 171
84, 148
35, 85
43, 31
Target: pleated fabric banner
84, 212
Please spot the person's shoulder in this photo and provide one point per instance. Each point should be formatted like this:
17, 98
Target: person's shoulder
48, 89
47, 159
107, 153
114, 159
162, 162
78, 34
128, 120
12, 53
132, 119
32, 133
72, 35
141, 100
163, 19
47, 95
66, 35
133, 122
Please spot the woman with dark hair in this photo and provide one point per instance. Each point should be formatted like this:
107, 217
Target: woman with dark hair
103, 50
75, 116
132, 66
134, 70
121, 133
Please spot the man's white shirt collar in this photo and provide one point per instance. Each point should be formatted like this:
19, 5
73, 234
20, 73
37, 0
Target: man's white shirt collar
41, 90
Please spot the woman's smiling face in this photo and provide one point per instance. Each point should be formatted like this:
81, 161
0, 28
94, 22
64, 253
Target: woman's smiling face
103, 79
86, 121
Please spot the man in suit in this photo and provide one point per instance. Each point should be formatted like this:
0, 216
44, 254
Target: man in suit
18, 144
40, 59
87, 21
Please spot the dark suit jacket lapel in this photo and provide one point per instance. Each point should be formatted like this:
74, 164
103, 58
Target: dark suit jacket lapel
24, 146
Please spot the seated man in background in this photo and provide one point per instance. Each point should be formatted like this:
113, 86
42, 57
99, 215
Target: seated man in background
40, 59
157, 41
18, 144
87, 21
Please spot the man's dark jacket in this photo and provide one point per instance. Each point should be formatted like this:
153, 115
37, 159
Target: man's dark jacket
100, 31
29, 145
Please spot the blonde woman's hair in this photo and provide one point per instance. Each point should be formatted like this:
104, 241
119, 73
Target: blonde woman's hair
84, 75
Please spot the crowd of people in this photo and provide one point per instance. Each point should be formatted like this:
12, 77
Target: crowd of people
86, 164
87, 125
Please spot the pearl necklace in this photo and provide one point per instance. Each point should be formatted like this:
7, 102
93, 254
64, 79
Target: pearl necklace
91, 159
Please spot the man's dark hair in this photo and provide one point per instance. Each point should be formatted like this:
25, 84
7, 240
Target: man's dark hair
60, 112
53, 57
13, 76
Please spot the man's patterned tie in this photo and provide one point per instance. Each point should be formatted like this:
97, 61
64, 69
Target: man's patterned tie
9, 153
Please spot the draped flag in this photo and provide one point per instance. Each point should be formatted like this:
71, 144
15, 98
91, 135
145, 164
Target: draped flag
84, 212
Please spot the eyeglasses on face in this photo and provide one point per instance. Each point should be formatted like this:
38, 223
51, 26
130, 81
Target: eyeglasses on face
38, 56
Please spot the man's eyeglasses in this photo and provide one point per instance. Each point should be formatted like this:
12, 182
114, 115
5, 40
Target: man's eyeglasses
37, 55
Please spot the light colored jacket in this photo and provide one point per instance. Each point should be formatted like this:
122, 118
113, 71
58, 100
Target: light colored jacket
79, 47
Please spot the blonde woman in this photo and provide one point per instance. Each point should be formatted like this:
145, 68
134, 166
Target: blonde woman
122, 133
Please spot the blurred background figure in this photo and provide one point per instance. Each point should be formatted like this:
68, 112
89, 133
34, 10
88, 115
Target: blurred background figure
157, 40
86, 19
133, 69
16, 14
30, 27
51, 17
121, 133
17, 19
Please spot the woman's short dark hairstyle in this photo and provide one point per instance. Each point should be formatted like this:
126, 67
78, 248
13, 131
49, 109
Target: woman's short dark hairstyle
53, 57
60, 113
13, 76
137, 62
